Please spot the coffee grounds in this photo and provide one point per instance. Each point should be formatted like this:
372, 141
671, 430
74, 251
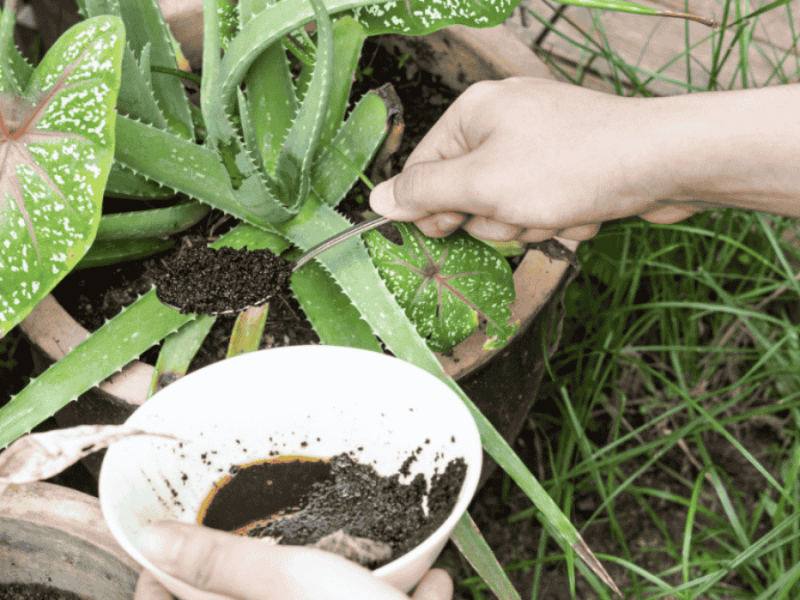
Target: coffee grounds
363, 504
34, 591
202, 280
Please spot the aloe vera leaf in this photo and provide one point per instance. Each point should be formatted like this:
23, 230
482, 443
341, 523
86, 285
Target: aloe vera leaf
350, 266
136, 97
111, 252
271, 101
305, 52
471, 543
218, 128
178, 350
56, 148
270, 93
249, 134
124, 183
297, 154
96, 8
9, 82
145, 66
348, 39
330, 312
247, 331
445, 284
15, 71
186, 167
339, 164
222, 77
106, 351
145, 26
156, 222
252, 191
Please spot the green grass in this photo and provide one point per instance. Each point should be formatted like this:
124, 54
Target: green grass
669, 426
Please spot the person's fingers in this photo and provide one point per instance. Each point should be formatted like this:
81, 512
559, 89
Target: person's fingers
580, 232
245, 568
441, 224
491, 230
669, 214
427, 188
436, 585
148, 588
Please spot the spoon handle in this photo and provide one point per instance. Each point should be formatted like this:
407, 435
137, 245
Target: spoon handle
339, 237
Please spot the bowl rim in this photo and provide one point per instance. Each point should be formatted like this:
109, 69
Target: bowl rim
471, 439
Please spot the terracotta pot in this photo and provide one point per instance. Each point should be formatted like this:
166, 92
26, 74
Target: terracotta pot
57, 536
502, 383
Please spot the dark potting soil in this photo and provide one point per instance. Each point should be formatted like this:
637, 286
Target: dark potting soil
202, 280
303, 500
35, 591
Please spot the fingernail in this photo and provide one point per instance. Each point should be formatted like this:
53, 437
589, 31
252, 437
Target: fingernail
381, 199
158, 544
447, 222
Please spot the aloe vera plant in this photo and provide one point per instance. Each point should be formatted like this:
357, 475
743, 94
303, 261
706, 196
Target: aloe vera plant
276, 152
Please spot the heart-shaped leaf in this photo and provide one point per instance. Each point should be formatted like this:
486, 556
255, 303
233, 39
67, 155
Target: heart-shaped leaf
444, 284
56, 148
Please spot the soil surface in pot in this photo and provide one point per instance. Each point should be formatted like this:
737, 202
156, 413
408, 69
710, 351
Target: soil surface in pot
35, 591
301, 500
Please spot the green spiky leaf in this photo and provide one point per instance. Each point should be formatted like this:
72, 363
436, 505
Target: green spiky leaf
444, 284
56, 149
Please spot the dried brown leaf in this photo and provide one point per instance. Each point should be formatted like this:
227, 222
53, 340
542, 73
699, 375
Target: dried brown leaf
38, 456
585, 553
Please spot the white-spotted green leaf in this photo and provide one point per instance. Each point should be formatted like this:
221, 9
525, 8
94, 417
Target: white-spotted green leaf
418, 17
444, 284
56, 148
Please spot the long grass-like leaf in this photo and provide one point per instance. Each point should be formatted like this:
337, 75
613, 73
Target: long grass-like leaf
469, 541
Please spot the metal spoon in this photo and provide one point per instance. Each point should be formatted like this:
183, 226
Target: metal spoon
338, 238
238, 282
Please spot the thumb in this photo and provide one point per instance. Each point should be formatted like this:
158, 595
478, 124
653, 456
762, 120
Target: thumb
244, 568
425, 188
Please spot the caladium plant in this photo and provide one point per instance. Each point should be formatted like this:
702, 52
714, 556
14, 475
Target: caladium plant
56, 149
445, 284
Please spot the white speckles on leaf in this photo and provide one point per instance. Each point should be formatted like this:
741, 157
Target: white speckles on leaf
56, 148
444, 284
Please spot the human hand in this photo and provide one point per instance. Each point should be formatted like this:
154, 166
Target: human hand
249, 569
530, 159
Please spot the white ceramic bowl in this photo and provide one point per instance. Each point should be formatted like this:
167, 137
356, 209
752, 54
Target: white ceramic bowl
304, 400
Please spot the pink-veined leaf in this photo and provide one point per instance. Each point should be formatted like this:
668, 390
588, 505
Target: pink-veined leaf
445, 284
56, 148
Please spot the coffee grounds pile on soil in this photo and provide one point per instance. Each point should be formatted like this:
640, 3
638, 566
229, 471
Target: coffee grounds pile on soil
201, 280
352, 497
34, 591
